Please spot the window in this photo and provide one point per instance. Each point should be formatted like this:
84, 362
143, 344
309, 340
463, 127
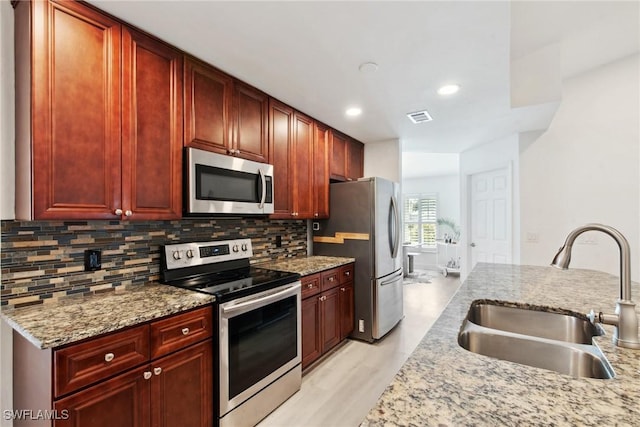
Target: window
420, 219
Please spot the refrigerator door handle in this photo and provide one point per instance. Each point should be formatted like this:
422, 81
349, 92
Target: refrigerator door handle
393, 279
396, 228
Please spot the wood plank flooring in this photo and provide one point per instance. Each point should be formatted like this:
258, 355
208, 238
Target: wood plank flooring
340, 391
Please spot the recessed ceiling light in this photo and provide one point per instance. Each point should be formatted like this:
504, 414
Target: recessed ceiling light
448, 89
353, 111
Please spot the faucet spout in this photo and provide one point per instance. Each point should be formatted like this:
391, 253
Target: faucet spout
625, 318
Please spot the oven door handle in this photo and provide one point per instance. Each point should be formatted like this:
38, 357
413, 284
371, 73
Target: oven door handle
260, 301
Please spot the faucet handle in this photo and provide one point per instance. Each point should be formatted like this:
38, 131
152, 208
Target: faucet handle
592, 316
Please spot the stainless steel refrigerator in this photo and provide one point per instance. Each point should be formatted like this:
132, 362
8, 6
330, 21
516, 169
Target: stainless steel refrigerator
364, 224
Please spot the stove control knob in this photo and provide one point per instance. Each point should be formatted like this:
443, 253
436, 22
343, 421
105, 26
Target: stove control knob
189, 253
176, 255
235, 248
244, 247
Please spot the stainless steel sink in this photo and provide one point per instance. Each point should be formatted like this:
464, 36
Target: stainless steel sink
562, 325
559, 342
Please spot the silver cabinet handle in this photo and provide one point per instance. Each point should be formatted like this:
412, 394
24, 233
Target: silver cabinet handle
347, 273
343, 289
310, 286
118, 212
157, 371
147, 375
128, 213
331, 279
185, 331
109, 357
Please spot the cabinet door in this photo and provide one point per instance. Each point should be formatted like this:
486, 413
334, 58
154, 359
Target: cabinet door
122, 401
250, 123
330, 315
75, 112
207, 105
182, 388
338, 160
321, 171
302, 166
151, 128
280, 141
355, 160
311, 337
347, 318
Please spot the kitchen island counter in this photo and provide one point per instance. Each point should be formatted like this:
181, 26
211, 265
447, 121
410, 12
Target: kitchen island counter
76, 318
443, 384
307, 265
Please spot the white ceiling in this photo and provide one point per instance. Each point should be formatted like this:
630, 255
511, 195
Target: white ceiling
307, 54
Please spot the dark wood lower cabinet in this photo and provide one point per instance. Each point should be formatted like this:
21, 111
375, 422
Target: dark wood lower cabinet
122, 401
327, 312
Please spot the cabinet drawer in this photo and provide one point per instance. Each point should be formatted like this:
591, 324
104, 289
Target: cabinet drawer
330, 279
91, 361
346, 274
181, 330
310, 285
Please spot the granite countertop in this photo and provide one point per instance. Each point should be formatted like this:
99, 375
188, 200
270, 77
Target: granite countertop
77, 318
441, 384
307, 265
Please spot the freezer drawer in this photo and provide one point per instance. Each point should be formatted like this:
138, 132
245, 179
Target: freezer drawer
387, 304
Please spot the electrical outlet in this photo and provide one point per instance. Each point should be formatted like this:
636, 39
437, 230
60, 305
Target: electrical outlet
278, 241
92, 260
316, 226
361, 325
532, 237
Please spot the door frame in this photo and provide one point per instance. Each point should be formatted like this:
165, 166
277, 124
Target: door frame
466, 239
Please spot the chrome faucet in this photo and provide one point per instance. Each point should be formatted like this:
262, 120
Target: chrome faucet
625, 318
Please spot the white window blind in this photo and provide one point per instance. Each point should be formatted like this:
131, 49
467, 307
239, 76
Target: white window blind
420, 213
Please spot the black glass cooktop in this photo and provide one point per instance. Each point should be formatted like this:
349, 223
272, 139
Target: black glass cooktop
237, 283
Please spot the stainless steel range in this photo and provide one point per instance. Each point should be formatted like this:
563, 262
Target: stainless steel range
259, 342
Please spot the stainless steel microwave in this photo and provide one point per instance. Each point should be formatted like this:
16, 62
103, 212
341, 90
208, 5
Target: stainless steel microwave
219, 184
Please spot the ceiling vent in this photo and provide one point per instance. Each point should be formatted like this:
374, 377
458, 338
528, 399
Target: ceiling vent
420, 116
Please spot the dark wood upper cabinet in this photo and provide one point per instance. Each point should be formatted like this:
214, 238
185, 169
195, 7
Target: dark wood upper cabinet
250, 114
338, 167
67, 112
207, 107
151, 128
302, 166
321, 170
355, 159
280, 143
98, 117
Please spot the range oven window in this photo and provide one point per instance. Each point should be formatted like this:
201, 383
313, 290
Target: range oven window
261, 341
214, 183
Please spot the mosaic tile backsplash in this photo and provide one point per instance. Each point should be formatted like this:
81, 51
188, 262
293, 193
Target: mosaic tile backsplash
44, 260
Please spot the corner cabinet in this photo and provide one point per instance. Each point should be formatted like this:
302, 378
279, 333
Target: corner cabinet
98, 117
154, 374
327, 311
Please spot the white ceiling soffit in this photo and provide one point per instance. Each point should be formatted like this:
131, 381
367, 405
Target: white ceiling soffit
307, 54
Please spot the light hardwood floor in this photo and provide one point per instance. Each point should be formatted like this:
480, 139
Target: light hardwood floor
340, 391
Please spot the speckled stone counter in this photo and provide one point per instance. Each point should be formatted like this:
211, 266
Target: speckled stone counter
307, 265
441, 384
74, 319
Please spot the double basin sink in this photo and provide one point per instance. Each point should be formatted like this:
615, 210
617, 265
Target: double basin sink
557, 340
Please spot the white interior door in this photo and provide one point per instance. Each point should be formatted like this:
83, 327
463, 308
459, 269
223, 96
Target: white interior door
491, 217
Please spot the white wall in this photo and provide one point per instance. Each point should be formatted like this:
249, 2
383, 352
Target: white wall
447, 190
501, 153
383, 159
586, 168
7, 185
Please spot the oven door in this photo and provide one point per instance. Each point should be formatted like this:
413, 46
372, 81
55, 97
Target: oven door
227, 185
260, 340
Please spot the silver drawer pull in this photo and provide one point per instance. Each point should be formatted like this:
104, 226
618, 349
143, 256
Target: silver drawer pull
331, 279
310, 286
347, 273
109, 357
157, 371
147, 375
185, 331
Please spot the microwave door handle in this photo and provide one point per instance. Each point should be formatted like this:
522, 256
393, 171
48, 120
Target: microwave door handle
263, 182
